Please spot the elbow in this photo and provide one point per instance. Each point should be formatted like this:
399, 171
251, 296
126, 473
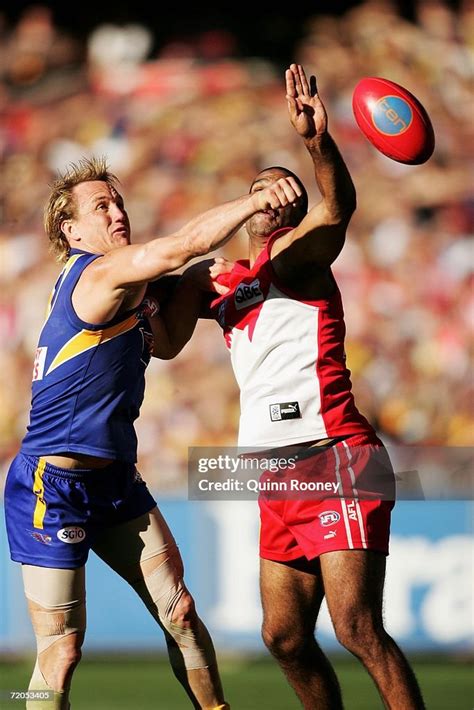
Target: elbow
347, 208
349, 205
352, 203
341, 213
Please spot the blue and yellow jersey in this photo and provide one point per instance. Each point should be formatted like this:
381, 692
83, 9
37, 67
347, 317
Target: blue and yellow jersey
88, 380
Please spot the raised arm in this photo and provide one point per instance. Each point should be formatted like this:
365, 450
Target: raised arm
322, 230
119, 277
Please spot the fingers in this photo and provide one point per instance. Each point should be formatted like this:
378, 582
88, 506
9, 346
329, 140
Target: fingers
297, 83
290, 84
220, 266
283, 192
219, 275
220, 288
300, 79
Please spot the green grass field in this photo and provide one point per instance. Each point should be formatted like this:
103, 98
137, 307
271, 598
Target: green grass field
143, 683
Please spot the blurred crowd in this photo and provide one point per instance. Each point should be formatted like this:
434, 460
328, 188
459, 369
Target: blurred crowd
186, 127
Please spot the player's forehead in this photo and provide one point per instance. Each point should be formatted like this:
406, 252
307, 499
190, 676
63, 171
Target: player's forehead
92, 190
268, 176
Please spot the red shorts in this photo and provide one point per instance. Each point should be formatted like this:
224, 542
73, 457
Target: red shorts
308, 524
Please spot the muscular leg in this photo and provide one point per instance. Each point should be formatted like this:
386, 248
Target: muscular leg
291, 598
56, 603
144, 552
354, 581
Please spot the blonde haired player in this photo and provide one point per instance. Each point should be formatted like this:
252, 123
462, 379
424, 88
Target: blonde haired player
74, 485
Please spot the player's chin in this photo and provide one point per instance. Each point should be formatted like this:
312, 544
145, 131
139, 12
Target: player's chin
264, 224
122, 239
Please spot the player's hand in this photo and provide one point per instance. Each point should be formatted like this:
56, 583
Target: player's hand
306, 110
210, 274
280, 193
218, 272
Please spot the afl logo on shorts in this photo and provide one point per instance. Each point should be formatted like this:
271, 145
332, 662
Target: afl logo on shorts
329, 517
71, 535
392, 115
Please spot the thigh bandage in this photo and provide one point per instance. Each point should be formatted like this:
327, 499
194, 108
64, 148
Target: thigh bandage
61, 595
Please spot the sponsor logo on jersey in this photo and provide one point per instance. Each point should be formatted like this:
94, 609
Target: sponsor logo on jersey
247, 294
149, 307
72, 534
41, 537
329, 517
285, 410
38, 366
330, 535
392, 115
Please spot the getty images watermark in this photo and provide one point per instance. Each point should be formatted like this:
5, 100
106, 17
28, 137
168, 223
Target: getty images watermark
397, 472
247, 472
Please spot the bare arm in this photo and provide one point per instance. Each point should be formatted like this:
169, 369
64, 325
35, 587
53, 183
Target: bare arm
322, 230
177, 318
174, 325
119, 277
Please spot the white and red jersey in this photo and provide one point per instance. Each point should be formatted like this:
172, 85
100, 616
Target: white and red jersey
288, 359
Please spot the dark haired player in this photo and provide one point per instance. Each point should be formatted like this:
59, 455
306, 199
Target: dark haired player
283, 323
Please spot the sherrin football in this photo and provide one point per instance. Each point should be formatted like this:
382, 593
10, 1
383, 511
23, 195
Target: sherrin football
393, 120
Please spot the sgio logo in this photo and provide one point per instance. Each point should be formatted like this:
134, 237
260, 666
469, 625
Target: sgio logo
247, 294
392, 115
71, 534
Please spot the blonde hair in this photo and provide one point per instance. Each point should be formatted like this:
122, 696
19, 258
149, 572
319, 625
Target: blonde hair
61, 204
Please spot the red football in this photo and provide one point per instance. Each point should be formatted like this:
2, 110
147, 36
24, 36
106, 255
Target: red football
393, 120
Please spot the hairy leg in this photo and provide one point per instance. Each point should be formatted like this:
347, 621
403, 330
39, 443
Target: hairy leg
354, 581
56, 603
291, 598
144, 552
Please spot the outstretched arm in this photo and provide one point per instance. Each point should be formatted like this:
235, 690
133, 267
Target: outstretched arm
123, 273
322, 230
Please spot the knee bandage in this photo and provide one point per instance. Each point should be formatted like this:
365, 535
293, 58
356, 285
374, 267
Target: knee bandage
163, 593
52, 624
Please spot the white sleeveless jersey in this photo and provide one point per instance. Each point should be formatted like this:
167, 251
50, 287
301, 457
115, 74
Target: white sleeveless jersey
288, 358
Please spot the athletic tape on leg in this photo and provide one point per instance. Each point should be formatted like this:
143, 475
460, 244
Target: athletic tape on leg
56, 700
167, 592
51, 624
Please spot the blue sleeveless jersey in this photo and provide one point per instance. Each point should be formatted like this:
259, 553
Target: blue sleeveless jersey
88, 380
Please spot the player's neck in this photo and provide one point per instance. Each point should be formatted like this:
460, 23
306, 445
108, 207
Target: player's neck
256, 245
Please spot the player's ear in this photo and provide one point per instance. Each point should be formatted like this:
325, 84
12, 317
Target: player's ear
67, 228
